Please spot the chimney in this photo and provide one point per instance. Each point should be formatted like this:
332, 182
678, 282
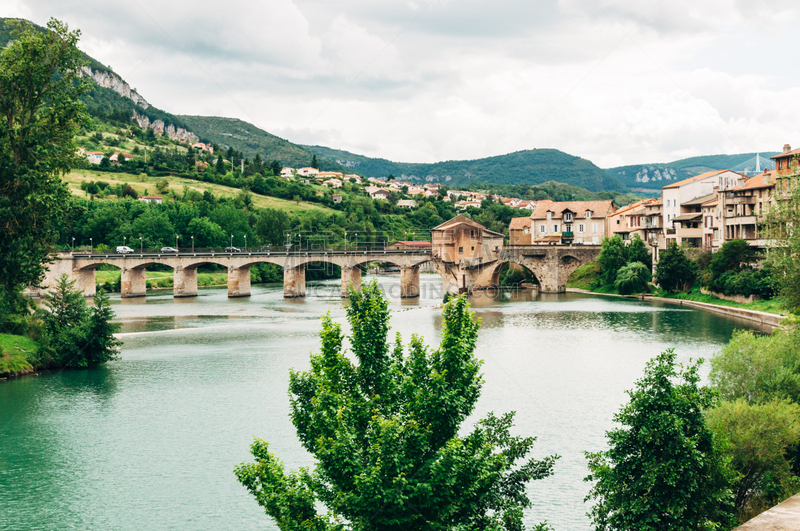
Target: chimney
787, 148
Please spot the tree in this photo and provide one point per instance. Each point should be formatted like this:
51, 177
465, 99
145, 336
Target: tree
674, 271
759, 368
781, 231
220, 166
664, 468
632, 278
41, 113
314, 163
384, 431
758, 437
74, 335
272, 226
100, 345
637, 252
613, 255
206, 233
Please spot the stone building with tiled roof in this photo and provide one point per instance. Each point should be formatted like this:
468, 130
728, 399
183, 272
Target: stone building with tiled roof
582, 222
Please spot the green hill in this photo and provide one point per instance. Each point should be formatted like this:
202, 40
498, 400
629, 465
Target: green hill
250, 140
656, 176
530, 167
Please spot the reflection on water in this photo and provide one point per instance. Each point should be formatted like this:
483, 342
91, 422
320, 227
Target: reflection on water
150, 440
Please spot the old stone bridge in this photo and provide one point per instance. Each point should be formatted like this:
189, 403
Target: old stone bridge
466, 255
551, 265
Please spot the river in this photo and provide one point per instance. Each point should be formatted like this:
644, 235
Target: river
150, 441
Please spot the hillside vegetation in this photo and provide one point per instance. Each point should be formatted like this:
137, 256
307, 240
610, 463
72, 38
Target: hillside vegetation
530, 167
250, 140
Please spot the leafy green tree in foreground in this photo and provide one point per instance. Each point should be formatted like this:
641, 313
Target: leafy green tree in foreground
664, 469
39, 91
384, 431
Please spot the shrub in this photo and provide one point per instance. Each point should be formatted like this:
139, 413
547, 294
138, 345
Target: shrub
632, 278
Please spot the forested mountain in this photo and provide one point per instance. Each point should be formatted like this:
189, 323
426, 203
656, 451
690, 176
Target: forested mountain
250, 140
535, 166
656, 176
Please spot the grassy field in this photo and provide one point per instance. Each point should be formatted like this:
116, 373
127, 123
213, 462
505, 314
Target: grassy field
14, 352
148, 187
585, 276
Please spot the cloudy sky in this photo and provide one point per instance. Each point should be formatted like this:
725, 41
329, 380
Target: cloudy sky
614, 81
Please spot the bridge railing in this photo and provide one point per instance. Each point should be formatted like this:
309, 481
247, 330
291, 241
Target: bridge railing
281, 250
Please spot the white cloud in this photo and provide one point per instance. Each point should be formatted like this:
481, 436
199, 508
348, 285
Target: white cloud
614, 81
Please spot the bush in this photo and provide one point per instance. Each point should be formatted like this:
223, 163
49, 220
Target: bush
675, 271
632, 278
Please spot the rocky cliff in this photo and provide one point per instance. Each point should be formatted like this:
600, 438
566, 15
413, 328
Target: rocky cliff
112, 81
159, 128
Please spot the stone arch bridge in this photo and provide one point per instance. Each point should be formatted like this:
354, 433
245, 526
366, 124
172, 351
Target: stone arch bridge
552, 266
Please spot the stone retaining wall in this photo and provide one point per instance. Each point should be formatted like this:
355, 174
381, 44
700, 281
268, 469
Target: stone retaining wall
767, 319
741, 299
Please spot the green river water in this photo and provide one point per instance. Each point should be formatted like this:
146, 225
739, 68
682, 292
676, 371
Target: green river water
150, 441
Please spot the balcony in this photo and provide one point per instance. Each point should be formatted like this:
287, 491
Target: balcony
567, 234
670, 231
689, 233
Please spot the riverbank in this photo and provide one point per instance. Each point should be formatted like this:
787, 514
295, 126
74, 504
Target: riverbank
729, 309
14, 354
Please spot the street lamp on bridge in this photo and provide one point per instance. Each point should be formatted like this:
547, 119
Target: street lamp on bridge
141, 245
91, 246
192, 243
177, 236
245, 243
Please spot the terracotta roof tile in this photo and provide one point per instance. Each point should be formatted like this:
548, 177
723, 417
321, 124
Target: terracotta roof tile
519, 223
695, 178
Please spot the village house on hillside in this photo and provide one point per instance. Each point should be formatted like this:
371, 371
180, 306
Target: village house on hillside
377, 193
305, 172
565, 222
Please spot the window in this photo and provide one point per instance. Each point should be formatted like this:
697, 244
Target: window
580, 227
542, 229
589, 214
460, 250
472, 248
472, 234
594, 227
567, 216
617, 221
555, 228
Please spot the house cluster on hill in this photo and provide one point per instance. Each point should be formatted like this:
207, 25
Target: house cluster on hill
464, 199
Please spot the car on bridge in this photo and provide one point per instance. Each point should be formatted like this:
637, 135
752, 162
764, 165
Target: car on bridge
232, 250
123, 249
169, 250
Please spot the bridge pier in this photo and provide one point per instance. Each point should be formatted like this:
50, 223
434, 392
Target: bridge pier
294, 282
133, 283
184, 283
238, 282
85, 281
351, 280
409, 282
